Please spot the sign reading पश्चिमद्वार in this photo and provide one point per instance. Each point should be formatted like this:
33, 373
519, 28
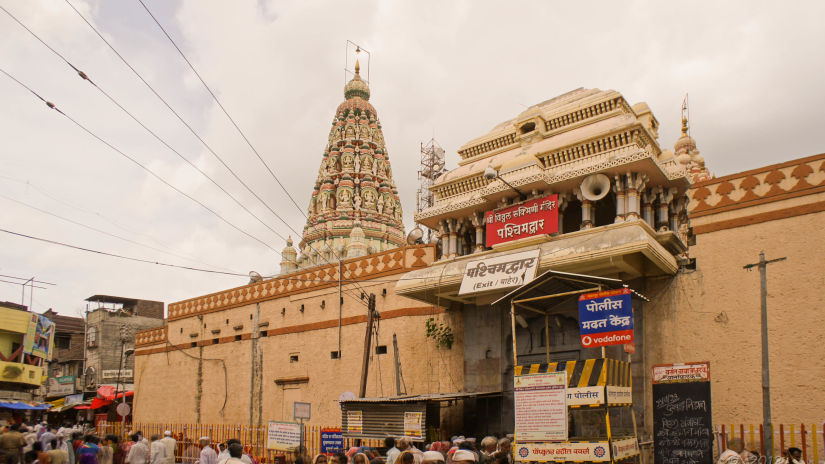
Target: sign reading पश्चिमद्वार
533, 217
606, 318
493, 273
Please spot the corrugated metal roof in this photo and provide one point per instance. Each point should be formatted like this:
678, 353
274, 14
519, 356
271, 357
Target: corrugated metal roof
422, 398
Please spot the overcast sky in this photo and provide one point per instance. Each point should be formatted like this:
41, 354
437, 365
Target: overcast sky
449, 69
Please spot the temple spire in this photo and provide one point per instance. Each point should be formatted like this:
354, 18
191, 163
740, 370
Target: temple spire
355, 208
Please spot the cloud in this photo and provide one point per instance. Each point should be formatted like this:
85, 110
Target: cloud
446, 69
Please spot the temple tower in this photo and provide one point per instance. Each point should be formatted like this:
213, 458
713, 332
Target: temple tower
354, 208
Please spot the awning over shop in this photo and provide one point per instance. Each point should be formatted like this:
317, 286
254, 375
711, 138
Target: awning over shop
560, 284
72, 405
108, 392
21, 405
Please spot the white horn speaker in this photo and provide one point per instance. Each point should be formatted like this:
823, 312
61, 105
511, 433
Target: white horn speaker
595, 187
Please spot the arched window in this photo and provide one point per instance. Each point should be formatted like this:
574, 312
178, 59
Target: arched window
91, 337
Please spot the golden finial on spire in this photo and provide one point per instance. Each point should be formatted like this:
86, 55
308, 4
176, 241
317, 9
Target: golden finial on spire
357, 67
685, 115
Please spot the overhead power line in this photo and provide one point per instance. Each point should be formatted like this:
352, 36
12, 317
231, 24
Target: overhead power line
115, 255
189, 127
136, 162
85, 77
192, 67
85, 226
26, 279
162, 244
21, 283
237, 127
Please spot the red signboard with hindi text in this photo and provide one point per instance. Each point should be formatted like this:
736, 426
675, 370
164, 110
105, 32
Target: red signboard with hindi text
533, 217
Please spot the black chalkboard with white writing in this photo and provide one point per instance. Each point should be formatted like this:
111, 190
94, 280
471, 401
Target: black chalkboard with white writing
682, 428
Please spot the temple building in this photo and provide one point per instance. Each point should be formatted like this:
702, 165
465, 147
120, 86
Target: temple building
576, 185
354, 209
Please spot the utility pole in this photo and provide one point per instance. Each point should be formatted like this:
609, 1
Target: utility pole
340, 302
397, 365
766, 375
365, 366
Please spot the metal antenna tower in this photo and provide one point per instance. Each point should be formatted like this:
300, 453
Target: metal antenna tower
431, 166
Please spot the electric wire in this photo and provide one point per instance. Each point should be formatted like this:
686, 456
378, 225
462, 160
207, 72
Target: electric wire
192, 67
242, 134
85, 226
189, 127
163, 245
85, 77
21, 283
115, 255
26, 279
136, 162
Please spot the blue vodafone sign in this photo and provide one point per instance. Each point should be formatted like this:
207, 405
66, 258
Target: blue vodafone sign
606, 318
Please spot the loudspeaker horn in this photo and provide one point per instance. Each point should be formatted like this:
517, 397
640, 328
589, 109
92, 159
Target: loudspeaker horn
595, 187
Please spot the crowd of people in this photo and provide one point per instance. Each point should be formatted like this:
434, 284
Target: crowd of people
76, 444
459, 450
737, 454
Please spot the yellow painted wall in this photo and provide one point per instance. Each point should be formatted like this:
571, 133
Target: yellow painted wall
713, 314
167, 383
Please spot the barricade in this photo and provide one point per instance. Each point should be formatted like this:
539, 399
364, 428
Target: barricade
810, 438
252, 437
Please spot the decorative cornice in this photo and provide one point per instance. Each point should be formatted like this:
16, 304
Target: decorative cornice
474, 196
777, 182
377, 264
152, 336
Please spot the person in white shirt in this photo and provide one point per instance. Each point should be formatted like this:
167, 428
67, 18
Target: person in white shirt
170, 444
235, 454
732, 455
208, 455
139, 452
225, 454
157, 451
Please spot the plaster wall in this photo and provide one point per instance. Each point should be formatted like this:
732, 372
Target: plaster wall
284, 331
713, 314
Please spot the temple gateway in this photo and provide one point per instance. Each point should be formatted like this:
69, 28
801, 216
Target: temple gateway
610, 201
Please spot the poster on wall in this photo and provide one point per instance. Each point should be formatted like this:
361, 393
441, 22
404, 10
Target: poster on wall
606, 318
39, 337
332, 440
413, 427
682, 425
539, 216
541, 407
497, 272
283, 436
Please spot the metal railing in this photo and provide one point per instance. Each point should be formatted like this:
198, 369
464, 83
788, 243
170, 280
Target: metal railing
253, 438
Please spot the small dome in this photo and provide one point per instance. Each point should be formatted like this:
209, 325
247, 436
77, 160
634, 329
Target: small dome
685, 144
357, 87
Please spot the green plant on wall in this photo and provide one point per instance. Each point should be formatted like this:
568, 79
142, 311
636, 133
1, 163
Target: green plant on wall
440, 332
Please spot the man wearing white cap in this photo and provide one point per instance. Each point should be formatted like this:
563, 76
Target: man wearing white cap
432, 457
170, 444
462, 456
208, 455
